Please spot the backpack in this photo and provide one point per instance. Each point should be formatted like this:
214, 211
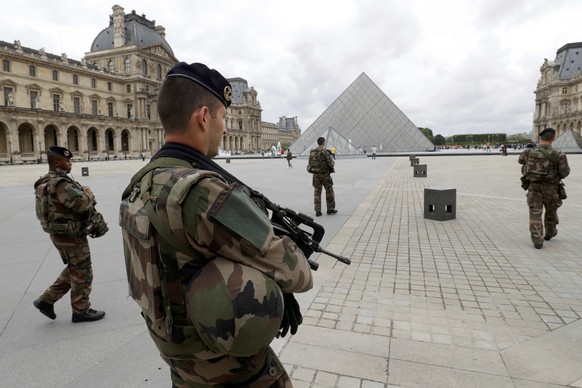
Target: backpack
317, 163
538, 164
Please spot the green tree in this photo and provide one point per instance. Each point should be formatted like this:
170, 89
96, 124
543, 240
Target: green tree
428, 133
439, 140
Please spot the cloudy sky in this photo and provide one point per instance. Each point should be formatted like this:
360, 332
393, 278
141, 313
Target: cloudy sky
455, 66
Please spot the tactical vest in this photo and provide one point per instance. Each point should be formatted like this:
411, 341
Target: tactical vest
540, 165
151, 250
154, 238
49, 212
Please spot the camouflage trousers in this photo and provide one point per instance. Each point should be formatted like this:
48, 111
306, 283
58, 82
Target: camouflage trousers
325, 181
540, 196
77, 275
258, 371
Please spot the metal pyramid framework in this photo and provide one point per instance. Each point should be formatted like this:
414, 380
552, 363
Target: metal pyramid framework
365, 116
334, 139
569, 141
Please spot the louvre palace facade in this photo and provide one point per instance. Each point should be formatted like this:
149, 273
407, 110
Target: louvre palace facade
558, 96
104, 106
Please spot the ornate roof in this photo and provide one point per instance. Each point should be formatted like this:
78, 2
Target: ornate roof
139, 31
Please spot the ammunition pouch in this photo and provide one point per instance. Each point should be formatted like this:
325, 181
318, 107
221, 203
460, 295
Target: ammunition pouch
524, 183
562, 190
67, 229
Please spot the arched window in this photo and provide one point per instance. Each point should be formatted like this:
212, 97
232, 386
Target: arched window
127, 65
111, 66
144, 67
159, 71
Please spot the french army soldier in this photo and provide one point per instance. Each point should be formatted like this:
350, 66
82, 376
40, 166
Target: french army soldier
66, 210
321, 165
214, 283
543, 169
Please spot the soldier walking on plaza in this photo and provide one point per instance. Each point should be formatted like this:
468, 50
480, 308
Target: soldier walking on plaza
543, 169
66, 210
214, 282
321, 165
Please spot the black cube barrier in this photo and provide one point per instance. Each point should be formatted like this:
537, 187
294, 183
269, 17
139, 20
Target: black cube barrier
440, 204
414, 161
419, 170
84, 171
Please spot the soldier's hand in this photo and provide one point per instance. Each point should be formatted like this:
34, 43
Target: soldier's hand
292, 317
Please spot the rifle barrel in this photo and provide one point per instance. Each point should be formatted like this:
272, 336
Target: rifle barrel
343, 259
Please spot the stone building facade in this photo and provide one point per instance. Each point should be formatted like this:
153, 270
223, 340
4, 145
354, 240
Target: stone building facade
558, 96
105, 105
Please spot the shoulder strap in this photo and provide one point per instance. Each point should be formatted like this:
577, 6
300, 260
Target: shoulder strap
157, 163
548, 155
164, 232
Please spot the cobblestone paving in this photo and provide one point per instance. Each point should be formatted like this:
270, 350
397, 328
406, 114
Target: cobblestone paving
473, 282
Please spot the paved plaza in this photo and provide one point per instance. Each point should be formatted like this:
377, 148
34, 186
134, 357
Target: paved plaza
466, 302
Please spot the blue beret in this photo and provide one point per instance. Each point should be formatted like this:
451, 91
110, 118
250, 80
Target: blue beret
61, 151
210, 79
548, 131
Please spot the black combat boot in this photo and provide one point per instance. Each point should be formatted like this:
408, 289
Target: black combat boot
45, 307
548, 237
88, 316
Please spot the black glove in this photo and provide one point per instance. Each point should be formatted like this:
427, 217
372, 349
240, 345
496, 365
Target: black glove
292, 317
97, 226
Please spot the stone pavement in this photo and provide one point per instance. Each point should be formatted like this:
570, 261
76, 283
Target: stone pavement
461, 303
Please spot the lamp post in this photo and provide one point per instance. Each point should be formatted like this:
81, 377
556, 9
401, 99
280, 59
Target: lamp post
39, 153
10, 150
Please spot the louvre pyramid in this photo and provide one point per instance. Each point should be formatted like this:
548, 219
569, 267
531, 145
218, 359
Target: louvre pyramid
365, 116
569, 141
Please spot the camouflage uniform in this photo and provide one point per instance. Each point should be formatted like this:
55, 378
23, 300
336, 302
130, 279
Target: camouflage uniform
244, 236
69, 203
321, 165
543, 174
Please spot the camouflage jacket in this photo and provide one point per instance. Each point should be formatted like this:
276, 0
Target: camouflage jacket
320, 161
63, 205
209, 218
544, 164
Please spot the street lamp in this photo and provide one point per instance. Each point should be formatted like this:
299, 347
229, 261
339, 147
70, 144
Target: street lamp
10, 150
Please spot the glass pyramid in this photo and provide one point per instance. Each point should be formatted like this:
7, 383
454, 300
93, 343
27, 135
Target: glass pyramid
365, 116
569, 141
334, 139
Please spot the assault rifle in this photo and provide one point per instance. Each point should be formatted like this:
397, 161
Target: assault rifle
287, 222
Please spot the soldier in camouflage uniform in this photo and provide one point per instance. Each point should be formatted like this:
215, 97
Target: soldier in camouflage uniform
321, 165
543, 168
214, 282
64, 208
